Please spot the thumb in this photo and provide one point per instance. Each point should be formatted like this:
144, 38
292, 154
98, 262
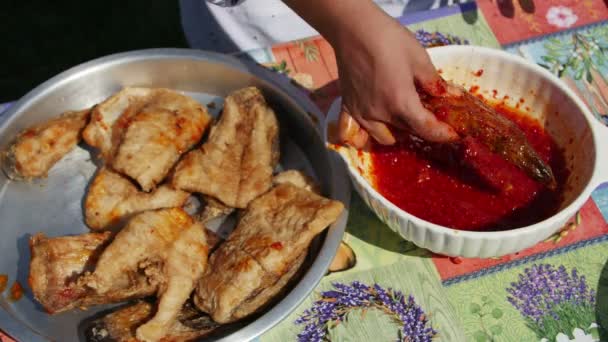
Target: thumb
349, 131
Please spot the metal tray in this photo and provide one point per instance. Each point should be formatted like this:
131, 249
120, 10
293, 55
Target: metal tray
54, 205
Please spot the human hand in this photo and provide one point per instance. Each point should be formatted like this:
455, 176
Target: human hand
378, 72
378, 62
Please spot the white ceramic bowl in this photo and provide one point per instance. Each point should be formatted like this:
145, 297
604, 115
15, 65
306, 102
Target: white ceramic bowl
564, 116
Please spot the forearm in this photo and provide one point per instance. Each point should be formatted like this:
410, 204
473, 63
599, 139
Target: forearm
342, 20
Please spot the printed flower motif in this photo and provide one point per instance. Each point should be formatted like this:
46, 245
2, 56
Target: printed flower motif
552, 300
431, 39
560, 16
334, 306
579, 336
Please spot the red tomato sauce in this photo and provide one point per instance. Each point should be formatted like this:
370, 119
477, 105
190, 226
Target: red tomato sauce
465, 186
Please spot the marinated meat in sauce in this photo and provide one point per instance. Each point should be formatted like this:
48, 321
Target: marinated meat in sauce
470, 117
465, 185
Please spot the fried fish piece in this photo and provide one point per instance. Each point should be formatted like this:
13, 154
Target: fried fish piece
183, 266
235, 164
279, 225
232, 278
213, 240
267, 294
121, 325
38, 148
471, 117
142, 132
56, 263
111, 117
272, 236
213, 209
297, 178
139, 245
112, 198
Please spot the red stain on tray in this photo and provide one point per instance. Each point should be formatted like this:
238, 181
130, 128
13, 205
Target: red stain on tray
3, 282
16, 291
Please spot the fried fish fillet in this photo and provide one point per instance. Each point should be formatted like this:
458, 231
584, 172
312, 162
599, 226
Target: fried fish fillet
57, 262
54, 264
297, 178
235, 165
269, 242
112, 198
213, 209
38, 148
111, 117
120, 325
142, 132
267, 294
183, 266
137, 247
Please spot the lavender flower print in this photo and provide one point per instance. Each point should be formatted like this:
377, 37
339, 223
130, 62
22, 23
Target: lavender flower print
431, 39
334, 306
553, 301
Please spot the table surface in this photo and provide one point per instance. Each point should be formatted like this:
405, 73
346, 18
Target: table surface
556, 290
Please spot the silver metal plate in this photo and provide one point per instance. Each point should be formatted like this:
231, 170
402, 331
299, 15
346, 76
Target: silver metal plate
54, 205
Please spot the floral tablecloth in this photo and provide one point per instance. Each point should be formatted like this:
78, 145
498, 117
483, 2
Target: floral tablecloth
554, 291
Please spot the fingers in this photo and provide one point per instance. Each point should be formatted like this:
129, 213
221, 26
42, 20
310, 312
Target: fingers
428, 77
350, 132
380, 131
425, 124
355, 130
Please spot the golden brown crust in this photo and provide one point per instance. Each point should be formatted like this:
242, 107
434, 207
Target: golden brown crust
297, 178
56, 262
142, 132
169, 125
110, 118
41, 146
135, 248
183, 265
121, 324
112, 198
235, 165
260, 255
258, 301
